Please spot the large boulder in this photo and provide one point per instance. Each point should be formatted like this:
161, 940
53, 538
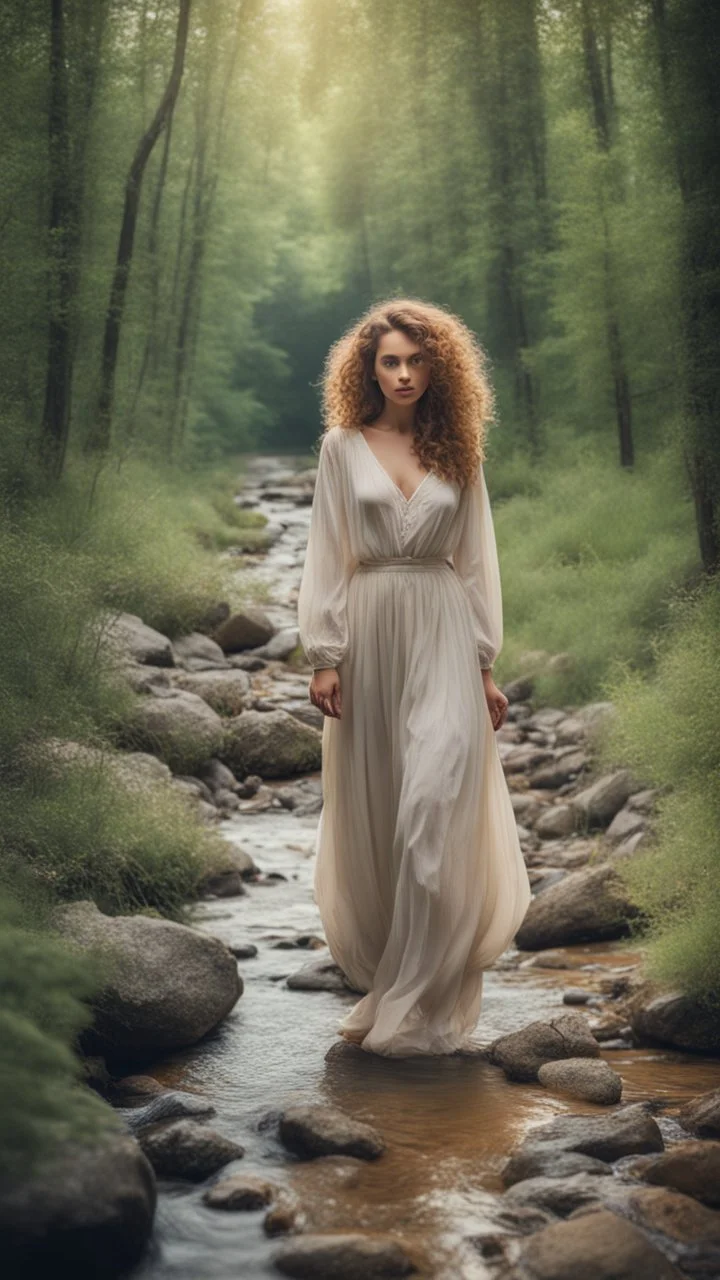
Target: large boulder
597, 805
129, 637
196, 652
702, 1115
590, 905
244, 630
272, 744
165, 985
227, 692
628, 1131
675, 1019
88, 1212
596, 1246
690, 1167
179, 727
521, 1053
347, 1256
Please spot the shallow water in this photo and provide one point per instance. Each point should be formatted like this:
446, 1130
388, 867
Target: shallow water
449, 1123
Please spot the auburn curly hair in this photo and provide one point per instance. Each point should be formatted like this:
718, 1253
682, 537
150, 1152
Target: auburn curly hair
451, 416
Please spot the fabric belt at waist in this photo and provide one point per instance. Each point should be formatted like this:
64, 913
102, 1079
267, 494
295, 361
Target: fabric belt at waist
404, 562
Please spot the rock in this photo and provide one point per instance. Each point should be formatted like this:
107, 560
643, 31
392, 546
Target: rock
597, 805
350, 1256
581, 1078
142, 679
677, 1020
564, 768
243, 950
186, 1150
134, 770
596, 1246
170, 1105
284, 1217
702, 1115
272, 744
242, 1191
690, 1167
244, 630
556, 821
575, 996
128, 636
570, 731
317, 1130
138, 1087
282, 644
178, 727
522, 1053
595, 715
226, 882
526, 757
218, 777
590, 905
229, 693
88, 1212
520, 690
558, 1196
629, 1131
318, 975
196, 652
541, 1163
627, 822
167, 985
690, 1232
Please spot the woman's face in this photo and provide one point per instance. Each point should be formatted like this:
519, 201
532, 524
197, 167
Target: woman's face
402, 368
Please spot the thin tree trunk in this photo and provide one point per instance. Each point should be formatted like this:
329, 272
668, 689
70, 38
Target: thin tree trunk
99, 438
56, 412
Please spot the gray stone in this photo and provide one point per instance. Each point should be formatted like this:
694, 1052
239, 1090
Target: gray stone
702, 1115
627, 822
597, 1246
87, 1212
229, 693
564, 768
272, 744
166, 985
559, 1196
597, 805
690, 1167
556, 821
350, 1256
244, 630
537, 1162
318, 1130
182, 1149
318, 975
677, 1020
176, 727
128, 636
241, 1191
196, 652
522, 1053
581, 1078
590, 905
628, 1131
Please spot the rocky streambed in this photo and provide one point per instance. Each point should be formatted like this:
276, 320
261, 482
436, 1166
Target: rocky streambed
579, 1137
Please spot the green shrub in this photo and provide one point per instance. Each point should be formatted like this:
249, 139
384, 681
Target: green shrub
667, 731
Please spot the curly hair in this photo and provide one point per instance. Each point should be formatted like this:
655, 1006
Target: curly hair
454, 411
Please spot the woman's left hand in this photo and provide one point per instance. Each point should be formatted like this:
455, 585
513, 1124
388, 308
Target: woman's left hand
496, 700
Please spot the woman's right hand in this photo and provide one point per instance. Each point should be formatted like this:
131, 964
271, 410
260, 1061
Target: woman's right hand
325, 691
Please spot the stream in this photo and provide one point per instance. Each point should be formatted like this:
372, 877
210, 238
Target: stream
449, 1122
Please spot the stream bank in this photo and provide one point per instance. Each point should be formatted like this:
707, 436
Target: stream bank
449, 1125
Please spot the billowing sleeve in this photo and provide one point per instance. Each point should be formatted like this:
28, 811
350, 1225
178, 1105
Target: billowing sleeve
476, 562
322, 599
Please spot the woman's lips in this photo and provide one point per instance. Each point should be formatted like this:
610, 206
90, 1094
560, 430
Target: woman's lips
404, 391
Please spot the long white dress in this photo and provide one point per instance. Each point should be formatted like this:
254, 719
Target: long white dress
419, 877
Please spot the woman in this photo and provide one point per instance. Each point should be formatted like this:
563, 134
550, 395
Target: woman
419, 877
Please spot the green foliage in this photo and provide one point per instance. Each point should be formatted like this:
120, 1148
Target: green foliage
590, 559
667, 731
42, 1102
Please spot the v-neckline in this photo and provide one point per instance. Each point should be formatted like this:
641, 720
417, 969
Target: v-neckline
387, 475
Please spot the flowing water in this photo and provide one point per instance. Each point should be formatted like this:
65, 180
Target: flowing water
449, 1123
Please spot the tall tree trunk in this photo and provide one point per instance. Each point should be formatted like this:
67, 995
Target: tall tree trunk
602, 106
99, 437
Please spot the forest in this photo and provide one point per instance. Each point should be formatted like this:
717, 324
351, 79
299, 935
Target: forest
198, 197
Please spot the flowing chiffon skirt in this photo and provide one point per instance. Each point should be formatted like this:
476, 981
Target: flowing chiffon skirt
419, 876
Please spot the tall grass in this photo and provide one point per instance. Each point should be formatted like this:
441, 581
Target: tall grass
591, 556
667, 730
